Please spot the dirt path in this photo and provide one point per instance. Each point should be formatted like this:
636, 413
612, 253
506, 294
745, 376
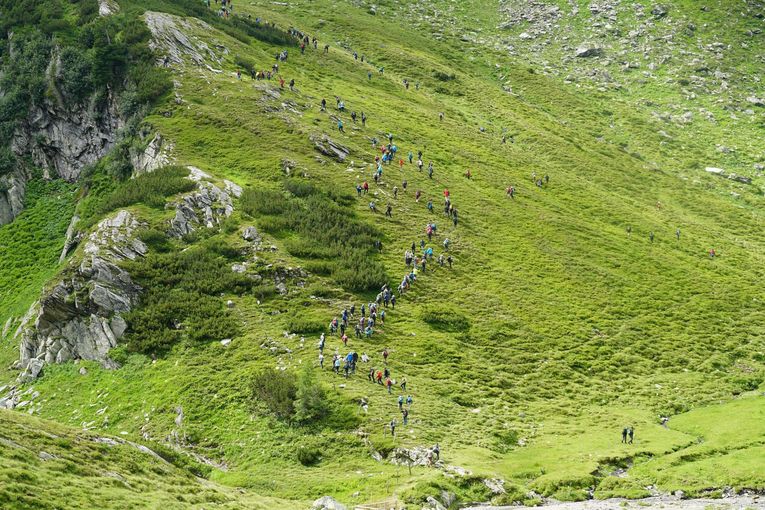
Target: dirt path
658, 502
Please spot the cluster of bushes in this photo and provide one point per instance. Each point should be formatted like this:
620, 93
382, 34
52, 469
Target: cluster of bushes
296, 400
447, 318
182, 298
327, 232
98, 56
150, 189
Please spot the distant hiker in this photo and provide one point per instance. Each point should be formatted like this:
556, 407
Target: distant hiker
353, 116
405, 416
363, 119
326, 49
281, 82
395, 191
624, 435
321, 360
389, 385
449, 261
441, 116
403, 386
393, 301
430, 205
323, 104
410, 157
650, 235
631, 433
400, 402
389, 211
409, 401
404, 184
373, 206
547, 178
292, 84
385, 355
393, 428
437, 451
371, 375
364, 405
677, 234
629, 230
238, 74
369, 75
712, 253
340, 126
510, 192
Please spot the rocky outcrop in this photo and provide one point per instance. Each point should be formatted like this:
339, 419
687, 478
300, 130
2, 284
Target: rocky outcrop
107, 7
206, 207
174, 41
12, 190
327, 503
63, 140
81, 316
329, 147
156, 155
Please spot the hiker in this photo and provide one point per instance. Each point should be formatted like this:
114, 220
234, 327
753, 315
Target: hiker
468, 175
449, 261
629, 230
409, 401
510, 192
373, 206
624, 435
631, 433
419, 165
430, 205
292, 84
369, 75
547, 178
323, 105
441, 116
366, 187
437, 451
389, 211
385, 355
395, 191
446, 244
393, 427
430, 169
405, 415
321, 343
389, 385
446, 193
363, 119
340, 126
321, 360
410, 157
650, 236
281, 83
337, 365
677, 234
371, 375
417, 195
712, 253
353, 116
365, 405
393, 300
326, 49
404, 184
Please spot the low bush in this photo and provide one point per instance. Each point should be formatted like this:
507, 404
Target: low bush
150, 189
303, 326
276, 390
308, 455
446, 318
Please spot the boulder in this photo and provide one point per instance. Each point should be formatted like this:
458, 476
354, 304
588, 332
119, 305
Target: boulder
330, 148
589, 51
327, 503
659, 11
756, 101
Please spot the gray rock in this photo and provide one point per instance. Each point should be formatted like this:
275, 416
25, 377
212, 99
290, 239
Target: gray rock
740, 178
659, 11
225, 342
205, 207
433, 504
83, 371
330, 148
45, 456
80, 316
756, 101
174, 42
327, 503
107, 7
589, 51
156, 155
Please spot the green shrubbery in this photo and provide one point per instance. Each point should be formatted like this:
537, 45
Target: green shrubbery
445, 317
181, 298
325, 230
150, 189
300, 400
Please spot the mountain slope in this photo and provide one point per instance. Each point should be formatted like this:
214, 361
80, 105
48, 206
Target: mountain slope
554, 329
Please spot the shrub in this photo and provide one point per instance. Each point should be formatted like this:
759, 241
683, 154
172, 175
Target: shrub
442, 76
257, 202
150, 189
244, 63
182, 299
308, 456
446, 318
310, 400
304, 326
276, 390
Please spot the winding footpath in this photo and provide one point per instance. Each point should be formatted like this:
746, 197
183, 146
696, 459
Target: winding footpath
655, 502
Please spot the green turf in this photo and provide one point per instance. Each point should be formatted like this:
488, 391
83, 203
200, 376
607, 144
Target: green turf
572, 329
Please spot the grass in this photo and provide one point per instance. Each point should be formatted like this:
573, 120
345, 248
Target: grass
553, 330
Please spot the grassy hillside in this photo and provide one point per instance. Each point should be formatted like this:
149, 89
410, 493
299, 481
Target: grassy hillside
554, 329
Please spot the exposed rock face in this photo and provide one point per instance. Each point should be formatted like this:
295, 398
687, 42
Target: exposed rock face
327, 503
107, 7
63, 141
207, 206
589, 51
81, 316
173, 40
156, 155
12, 190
